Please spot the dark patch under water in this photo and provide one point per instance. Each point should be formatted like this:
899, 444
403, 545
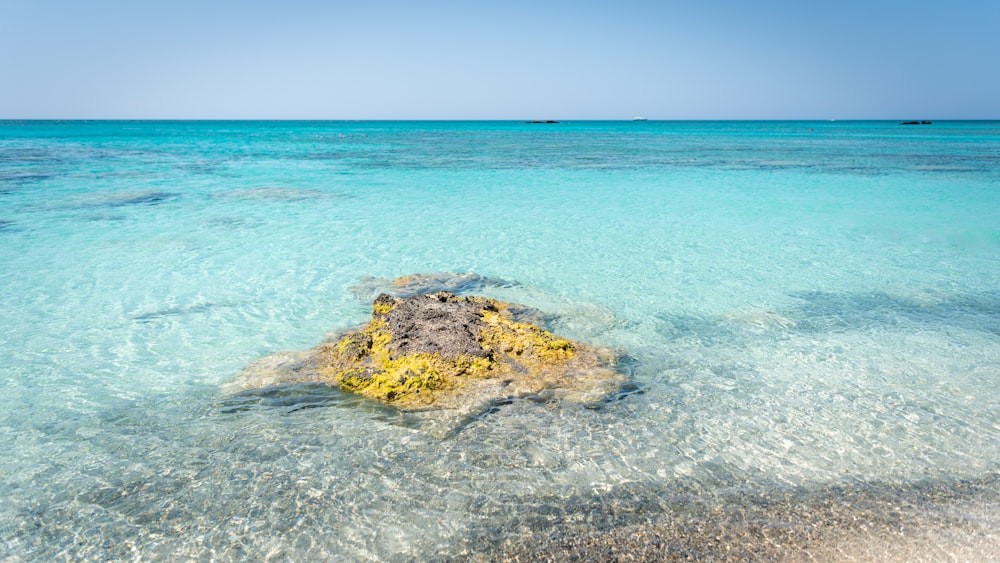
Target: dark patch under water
930, 520
9, 181
820, 311
146, 198
823, 311
112, 200
177, 311
301, 396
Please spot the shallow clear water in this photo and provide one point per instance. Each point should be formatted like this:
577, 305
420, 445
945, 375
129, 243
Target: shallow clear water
809, 307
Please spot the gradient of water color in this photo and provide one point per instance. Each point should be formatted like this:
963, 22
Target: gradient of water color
811, 309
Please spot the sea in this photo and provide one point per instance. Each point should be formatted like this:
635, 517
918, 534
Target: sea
808, 314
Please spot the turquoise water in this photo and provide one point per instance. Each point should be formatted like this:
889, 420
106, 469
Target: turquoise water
807, 307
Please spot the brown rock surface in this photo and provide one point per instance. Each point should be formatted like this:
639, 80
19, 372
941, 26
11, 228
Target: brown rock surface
441, 351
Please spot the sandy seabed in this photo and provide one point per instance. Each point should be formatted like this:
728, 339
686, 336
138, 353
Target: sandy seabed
960, 522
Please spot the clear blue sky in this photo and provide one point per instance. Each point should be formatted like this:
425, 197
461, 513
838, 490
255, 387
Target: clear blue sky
510, 59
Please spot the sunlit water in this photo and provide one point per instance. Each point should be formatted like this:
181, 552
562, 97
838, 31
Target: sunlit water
811, 311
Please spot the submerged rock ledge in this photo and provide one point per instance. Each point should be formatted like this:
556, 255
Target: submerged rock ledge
442, 351
414, 284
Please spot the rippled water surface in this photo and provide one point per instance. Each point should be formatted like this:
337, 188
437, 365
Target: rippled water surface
811, 311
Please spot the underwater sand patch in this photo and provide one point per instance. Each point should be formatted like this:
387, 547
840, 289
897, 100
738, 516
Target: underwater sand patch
276, 193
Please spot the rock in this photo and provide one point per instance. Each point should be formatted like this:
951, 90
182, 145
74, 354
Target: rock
581, 319
277, 369
415, 284
440, 323
442, 351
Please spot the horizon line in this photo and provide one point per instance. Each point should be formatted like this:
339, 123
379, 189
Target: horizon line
551, 121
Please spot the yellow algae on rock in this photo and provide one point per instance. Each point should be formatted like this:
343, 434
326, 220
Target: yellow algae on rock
523, 341
442, 351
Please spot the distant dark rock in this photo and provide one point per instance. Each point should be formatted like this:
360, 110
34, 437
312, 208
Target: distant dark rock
915, 122
542, 121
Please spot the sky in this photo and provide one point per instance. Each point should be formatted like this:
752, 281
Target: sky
509, 59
